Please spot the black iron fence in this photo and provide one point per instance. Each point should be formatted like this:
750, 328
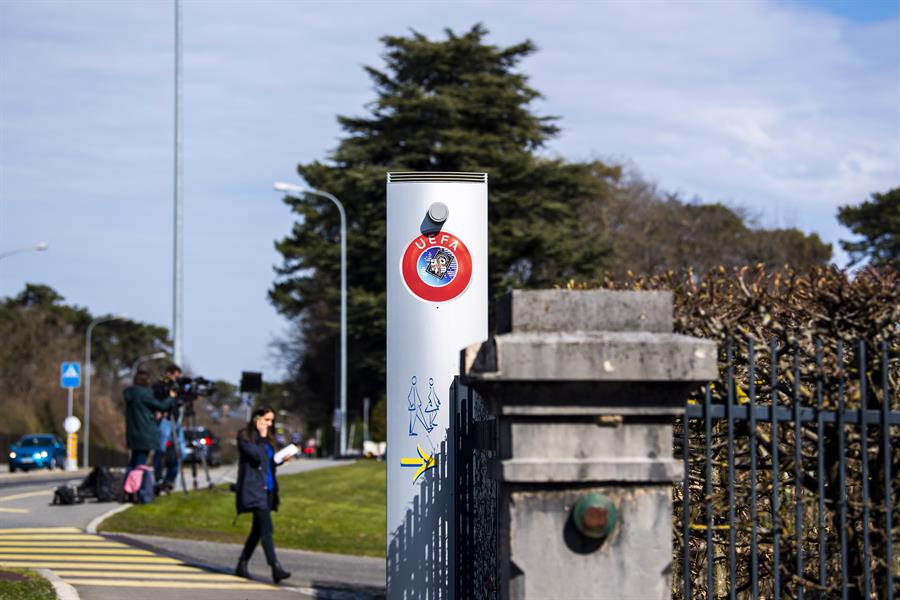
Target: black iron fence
791, 475
791, 478
476, 496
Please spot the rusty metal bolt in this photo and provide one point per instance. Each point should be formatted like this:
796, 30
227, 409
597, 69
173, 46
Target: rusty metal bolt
595, 515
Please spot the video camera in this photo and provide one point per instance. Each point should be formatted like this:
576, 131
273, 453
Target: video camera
187, 389
191, 388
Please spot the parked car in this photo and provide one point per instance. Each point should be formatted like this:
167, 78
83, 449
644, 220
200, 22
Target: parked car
37, 451
199, 440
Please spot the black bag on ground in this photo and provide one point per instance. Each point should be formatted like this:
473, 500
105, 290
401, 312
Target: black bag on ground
66, 495
103, 484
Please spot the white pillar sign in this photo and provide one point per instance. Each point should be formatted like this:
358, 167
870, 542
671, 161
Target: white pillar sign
437, 286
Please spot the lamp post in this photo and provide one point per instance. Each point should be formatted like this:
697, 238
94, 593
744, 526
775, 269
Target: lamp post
298, 192
87, 381
39, 247
146, 358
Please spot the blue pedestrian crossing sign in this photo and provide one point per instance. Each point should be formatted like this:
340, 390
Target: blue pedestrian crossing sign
70, 375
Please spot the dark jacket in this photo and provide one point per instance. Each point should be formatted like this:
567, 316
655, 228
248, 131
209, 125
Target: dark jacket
251, 481
140, 422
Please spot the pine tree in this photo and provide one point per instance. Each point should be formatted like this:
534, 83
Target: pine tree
877, 221
456, 104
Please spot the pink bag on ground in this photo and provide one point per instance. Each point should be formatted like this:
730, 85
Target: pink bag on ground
135, 478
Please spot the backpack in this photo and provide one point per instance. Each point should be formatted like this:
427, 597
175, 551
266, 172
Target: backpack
133, 480
66, 495
140, 482
145, 492
102, 484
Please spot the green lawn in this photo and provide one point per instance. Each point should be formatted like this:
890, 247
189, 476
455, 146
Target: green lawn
338, 509
21, 584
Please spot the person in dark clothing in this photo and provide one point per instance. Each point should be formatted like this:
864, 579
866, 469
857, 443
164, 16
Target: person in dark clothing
165, 459
257, 489
140, 420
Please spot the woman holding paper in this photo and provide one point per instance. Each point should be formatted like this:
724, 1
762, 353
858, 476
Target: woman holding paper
257, 489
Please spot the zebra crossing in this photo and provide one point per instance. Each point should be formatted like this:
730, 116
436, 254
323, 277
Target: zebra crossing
83, 559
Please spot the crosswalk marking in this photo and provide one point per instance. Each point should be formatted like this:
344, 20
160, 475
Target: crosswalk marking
50, 537
4, 532
47, 551
45, 564
14, 510
87, 544
194, 576
82, 559
184, 585
98, 558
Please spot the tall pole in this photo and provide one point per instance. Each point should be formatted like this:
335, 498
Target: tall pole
296, 189
86, 440
178, 263
70, 464
366, 419
343, 327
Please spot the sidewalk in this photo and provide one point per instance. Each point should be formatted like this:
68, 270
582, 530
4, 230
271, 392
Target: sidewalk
317, 574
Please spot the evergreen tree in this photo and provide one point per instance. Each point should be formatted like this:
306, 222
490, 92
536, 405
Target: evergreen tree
457, 104
878, 222
40, 330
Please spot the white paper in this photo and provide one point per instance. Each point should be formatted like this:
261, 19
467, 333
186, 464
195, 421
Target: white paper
287, 451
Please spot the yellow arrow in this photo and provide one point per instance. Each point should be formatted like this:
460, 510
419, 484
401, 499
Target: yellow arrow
424, 462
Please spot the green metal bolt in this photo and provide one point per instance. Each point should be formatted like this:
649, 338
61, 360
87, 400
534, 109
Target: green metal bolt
595, 515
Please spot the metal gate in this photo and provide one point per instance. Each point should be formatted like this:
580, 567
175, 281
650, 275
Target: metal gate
790, 475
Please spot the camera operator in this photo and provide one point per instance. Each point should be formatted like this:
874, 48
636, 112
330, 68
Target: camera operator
140, 430
166, 387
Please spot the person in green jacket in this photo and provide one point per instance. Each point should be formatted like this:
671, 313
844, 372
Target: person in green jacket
140, 420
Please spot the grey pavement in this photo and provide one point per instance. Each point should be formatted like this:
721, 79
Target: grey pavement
319, 574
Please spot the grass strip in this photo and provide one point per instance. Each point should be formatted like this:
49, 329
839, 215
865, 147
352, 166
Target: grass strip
338, 509
22, 584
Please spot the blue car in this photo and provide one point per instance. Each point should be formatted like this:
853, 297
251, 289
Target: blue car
37, 451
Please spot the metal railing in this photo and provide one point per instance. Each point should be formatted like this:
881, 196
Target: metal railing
476, 497
790, 475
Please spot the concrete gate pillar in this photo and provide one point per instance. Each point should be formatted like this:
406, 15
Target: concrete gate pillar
585, 386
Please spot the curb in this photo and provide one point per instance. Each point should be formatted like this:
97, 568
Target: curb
95, 523
64, 591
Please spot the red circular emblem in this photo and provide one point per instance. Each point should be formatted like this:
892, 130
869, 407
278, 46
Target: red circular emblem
436, 267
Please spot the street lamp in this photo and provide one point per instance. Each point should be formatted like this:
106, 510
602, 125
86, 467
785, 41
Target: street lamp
299, 191
39, 247
87, 380
146, 358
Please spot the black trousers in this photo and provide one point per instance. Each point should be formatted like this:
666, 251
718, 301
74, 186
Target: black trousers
261, 531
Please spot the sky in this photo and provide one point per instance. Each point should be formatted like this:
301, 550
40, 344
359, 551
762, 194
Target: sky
788, 109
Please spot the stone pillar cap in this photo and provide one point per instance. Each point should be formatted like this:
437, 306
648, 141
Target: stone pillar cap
522, 311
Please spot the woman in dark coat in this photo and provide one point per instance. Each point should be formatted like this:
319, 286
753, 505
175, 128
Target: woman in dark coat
140, 420
257, 489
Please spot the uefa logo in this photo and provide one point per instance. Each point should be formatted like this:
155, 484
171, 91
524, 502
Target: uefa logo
437, 267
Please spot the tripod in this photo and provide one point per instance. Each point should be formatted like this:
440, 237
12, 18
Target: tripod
199, 450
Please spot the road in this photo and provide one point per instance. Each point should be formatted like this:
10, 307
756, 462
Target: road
36, 534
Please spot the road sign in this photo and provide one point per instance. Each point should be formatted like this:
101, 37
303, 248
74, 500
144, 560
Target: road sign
70, 375
72, 424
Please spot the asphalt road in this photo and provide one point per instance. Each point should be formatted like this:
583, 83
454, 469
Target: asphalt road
36, 534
